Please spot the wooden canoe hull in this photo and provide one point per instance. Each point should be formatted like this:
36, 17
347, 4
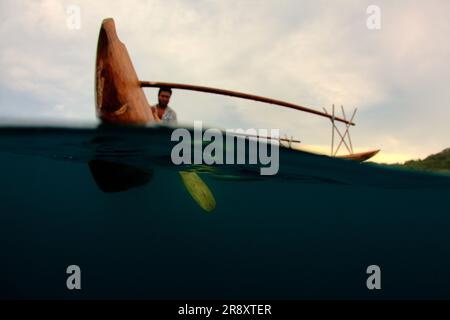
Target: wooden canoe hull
119, 96
362, 156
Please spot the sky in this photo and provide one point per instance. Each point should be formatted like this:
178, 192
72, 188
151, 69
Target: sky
314, 53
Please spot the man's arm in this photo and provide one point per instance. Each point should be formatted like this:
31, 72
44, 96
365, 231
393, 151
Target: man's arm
155, 114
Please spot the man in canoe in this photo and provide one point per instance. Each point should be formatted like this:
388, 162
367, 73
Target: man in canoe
161, 111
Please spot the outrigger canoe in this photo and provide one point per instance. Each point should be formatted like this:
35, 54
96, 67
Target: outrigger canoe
120, 98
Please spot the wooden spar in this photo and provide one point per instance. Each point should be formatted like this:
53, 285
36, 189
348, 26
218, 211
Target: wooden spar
153, 84
349, 138
264, 137
332, 133
335, 128
347, 132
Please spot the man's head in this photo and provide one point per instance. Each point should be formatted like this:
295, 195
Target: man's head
164, 95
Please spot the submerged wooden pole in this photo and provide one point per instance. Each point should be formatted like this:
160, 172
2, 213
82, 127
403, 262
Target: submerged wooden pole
153, 84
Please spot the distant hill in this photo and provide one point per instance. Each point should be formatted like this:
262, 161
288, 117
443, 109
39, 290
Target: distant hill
436, 162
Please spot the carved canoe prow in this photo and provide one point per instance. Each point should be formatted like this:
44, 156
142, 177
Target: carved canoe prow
119, 97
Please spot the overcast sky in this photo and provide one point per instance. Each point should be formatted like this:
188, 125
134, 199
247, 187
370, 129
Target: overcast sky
314, 53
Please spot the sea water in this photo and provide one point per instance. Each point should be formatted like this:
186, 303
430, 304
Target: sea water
110, 201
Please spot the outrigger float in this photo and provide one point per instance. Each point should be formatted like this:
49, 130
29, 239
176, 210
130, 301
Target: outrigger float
120, 98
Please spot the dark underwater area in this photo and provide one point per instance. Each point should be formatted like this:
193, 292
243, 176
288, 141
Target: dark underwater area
110, 200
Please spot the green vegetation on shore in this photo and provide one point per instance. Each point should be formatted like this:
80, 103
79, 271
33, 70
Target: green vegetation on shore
439, 162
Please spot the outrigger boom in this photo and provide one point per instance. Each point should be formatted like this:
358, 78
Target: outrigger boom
190, 87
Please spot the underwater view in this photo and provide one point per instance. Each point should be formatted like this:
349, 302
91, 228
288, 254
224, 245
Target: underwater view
110, 200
